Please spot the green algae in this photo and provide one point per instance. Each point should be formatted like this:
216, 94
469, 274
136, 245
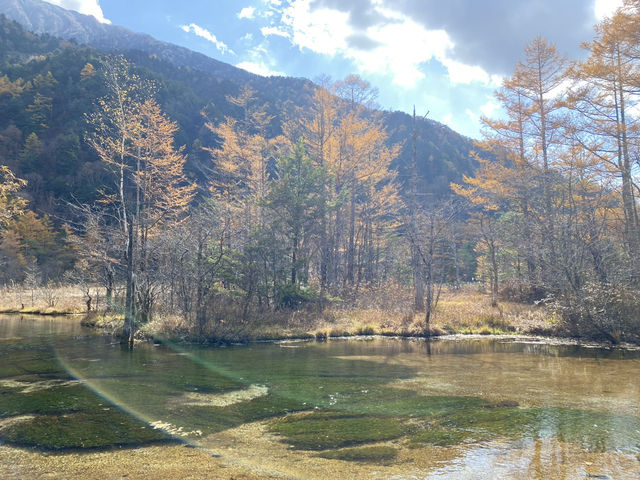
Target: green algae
448, 421
36, 361
47, 401
323, 430
389, 414
216, 419
82, 430
401, 402
69, 417
376, 454
437, 435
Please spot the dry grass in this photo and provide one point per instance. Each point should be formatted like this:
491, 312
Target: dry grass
45, 300
469, 311
378, 312
465, 310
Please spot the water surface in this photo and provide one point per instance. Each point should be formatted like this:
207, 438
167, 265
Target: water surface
376, 408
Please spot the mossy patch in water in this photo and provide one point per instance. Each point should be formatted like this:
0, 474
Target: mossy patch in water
259, 409
323, 430
376, 454
216, 419
508, 421
446, 421
32, 361
413, 405
439, 436
378, 415
48, 401
200, 379
81, 431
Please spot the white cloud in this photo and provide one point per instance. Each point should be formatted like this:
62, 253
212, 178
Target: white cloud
207, 35
259, 68
396, 45
489, 108
560, 89
247, 12
496, 80
461, 73
86, 7
403, 46
472, 115
270, 31
322, 31
605, 8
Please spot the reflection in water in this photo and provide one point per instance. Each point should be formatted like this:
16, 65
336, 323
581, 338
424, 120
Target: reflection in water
460, 408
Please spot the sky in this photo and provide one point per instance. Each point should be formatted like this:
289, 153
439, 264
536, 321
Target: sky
445, 57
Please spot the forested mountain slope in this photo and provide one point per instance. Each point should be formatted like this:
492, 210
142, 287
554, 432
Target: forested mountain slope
189, 84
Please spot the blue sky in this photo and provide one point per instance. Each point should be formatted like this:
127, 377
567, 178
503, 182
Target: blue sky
446, 57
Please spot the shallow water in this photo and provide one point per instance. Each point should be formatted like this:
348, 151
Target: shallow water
375, 408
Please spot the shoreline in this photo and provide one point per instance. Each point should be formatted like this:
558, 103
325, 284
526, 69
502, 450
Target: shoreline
519, 337
465, 311
43, 312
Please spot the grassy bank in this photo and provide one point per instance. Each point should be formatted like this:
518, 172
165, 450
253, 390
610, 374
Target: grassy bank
381, 312
460, 311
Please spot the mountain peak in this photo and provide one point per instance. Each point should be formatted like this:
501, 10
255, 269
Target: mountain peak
44, 18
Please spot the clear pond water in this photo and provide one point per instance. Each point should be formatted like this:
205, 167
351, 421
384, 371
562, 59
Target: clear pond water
360, 408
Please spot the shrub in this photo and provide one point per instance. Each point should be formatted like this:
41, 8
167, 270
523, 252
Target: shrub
602, 312
521, 291
294, 296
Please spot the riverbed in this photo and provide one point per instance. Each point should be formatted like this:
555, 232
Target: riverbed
73, 404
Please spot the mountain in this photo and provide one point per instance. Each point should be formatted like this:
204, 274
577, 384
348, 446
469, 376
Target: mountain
189, 83
44, 18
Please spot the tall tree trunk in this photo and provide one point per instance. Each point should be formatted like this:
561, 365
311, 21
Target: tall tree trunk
456, 263
416, 261
128, 330
632, 230
294, 258
109, 287
429, 287
351, 249
324, 251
